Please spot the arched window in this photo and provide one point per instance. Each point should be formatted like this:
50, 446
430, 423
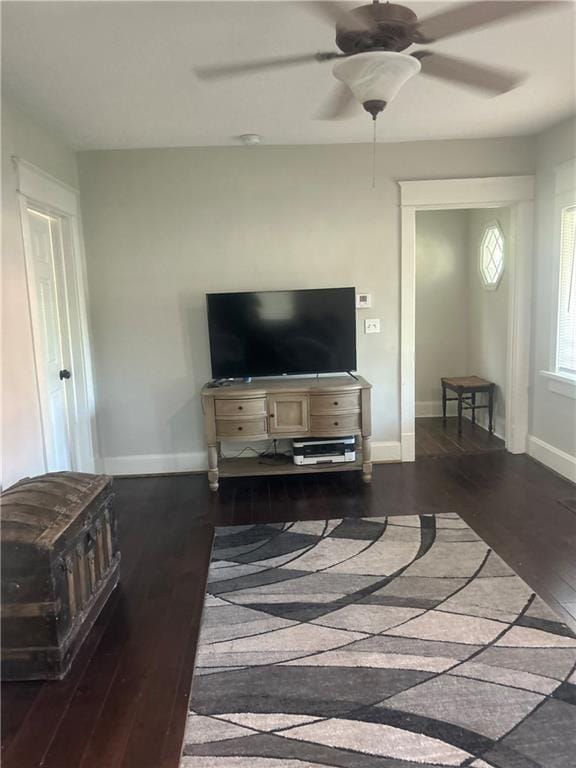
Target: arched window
492, 255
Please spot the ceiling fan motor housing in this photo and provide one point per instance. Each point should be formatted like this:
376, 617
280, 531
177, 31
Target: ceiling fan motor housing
374, 107
380, 26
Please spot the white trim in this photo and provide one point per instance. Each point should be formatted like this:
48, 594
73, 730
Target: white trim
564, 197
491, 192
432, 408
157, 464
383, 452
552, 457
408, 332
516, 192
39, 186
520, 252
85, 345
428, 408
408, 446
561, 384
39, 190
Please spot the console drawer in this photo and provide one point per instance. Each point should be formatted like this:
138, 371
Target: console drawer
241, 428
240, 408
337, 403
343, 424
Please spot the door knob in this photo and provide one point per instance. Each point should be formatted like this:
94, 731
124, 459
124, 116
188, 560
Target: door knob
64, 374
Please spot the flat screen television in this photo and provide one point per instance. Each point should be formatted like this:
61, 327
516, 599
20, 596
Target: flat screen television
272, 333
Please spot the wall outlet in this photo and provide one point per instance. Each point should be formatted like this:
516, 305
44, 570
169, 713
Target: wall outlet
363, 300
372, 326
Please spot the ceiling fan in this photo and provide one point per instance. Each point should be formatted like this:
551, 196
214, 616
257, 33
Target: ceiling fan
370, 64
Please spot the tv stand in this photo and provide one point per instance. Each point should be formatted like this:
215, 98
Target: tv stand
268, 409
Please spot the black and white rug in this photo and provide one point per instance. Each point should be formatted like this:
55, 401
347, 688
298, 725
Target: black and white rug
401, 642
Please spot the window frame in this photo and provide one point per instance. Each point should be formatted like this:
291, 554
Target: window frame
566, 373
560, 382
494, 224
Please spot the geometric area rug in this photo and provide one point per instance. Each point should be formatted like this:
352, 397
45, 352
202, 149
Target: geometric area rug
399, 642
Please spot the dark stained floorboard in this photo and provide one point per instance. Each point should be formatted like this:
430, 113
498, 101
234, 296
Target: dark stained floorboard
434, 438
124, 702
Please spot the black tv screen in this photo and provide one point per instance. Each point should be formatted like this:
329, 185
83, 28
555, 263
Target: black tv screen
271, 333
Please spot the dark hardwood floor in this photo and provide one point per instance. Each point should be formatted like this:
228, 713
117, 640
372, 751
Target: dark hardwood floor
124, 703
433, 438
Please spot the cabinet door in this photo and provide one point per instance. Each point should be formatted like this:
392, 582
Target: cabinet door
288, 414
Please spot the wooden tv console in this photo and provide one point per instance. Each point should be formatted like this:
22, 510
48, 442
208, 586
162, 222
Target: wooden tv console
330, 406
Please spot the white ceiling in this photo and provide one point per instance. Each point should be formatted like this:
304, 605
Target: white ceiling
120, 74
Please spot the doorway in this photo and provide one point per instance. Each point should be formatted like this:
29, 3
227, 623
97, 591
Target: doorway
461, 331
515, 193
55, 278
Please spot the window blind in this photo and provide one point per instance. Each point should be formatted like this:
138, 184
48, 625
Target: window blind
566, 349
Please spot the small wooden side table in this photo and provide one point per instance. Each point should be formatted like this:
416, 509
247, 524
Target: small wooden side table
466, 388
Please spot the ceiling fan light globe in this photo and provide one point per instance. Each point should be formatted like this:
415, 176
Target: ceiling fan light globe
376, 75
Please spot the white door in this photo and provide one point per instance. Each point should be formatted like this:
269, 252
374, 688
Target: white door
51, 336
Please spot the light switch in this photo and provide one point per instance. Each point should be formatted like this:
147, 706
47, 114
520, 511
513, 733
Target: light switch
372, 326
363, 300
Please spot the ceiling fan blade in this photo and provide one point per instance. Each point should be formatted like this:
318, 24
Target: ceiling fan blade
337, 13
468, 16
468, 73
339, 104
247, 67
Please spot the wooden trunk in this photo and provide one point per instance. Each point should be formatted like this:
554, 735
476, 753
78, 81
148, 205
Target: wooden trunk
60, 562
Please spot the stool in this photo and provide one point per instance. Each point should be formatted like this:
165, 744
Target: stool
466, 389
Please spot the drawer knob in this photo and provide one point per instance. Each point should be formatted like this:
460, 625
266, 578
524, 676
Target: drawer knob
335, 402
240, 429
240, 407
335, 423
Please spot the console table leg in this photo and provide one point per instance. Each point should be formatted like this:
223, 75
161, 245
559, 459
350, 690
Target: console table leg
366, 460
213, 467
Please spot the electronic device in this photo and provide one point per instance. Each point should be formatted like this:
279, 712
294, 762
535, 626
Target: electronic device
272, 333
327, 450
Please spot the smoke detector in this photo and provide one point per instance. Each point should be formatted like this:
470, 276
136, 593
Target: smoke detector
250, 139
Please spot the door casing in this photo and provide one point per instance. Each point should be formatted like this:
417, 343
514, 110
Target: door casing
43, 193
517, 194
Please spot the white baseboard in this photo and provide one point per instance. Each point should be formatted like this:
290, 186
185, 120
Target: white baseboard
552, 457
382, 452
429, 408
156, 464
408, 446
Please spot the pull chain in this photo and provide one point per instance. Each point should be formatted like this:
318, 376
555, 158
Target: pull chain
374, 155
